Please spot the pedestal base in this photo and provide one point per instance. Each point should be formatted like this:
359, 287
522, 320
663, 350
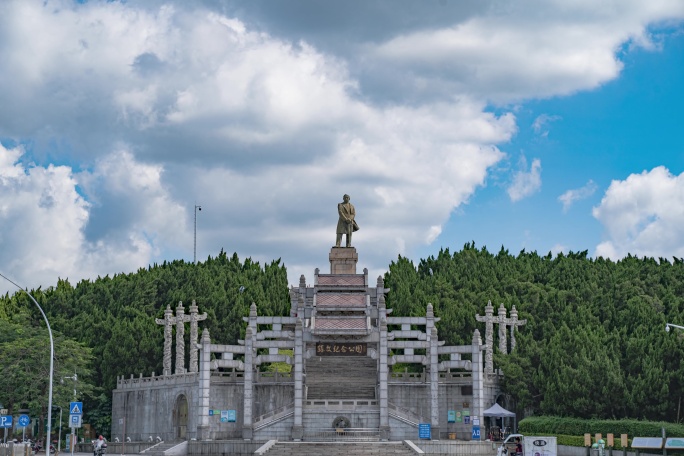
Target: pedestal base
343, 260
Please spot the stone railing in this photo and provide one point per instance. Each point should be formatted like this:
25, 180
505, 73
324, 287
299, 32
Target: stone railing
406, 414
155, 380
345, 435
178, 379
273, 415
341, 404
424, 377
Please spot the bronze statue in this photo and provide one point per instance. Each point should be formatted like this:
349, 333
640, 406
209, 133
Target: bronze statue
346, 223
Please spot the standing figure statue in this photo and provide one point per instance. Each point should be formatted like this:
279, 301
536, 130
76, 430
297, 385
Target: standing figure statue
346, 223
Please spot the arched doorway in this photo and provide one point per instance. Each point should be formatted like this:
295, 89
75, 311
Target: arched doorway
180, 417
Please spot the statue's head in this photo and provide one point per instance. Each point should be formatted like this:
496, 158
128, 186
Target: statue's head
346, 198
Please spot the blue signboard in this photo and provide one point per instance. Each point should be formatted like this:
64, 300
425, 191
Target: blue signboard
76, 408
232, 415
5, 421
466, 419
451, 416
24, 420
211, 412
476, 433
424, 431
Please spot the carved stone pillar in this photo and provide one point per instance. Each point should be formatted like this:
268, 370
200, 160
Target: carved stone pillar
383, 368
478, 378
180, 338
297, 429
194, 318
489, 337
433, 359
167, 321
502, 329
247, 430
203, 429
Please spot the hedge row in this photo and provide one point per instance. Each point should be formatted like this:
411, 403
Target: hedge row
569, 427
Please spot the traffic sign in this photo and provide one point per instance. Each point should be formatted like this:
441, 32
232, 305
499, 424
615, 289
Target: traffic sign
6, 421
75, 421
24, 420
76, 408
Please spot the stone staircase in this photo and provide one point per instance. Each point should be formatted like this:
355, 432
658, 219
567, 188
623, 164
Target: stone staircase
339, 449
159, 449
341, 377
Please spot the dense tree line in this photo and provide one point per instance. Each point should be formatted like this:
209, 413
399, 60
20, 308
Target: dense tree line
594, 345
112, 320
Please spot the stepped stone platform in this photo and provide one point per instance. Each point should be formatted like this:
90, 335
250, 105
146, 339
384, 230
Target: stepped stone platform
339, 449
341, 377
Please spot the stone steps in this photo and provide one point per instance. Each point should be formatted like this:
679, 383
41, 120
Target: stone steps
339, 449
341, 377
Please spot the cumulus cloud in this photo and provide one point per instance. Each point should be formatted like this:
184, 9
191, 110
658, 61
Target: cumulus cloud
525, 183
643, 215
573, 195
46, 221
529, 49
134, 111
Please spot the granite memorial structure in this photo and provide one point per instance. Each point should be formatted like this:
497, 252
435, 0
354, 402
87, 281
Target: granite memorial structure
342, 343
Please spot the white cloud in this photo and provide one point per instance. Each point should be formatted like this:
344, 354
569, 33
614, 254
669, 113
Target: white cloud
525, 183
157, 107
573, 195
45, 222
643, 215
541, 122
528, 49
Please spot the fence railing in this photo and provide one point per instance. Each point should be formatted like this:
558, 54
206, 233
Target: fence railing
342, 435
273, 413
15, 449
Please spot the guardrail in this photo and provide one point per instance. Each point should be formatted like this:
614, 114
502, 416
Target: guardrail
342, 435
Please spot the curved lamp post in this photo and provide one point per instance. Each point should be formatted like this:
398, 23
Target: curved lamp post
670, 325
52, 359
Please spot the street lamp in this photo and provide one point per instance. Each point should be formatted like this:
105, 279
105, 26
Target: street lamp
194, 258
670, 325
52, 363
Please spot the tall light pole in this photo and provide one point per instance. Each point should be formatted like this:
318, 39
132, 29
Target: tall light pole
52, 363
194, 258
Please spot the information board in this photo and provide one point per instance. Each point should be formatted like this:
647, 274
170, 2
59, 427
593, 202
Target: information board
424, 431
655, 443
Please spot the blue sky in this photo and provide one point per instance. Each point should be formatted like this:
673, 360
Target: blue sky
628, 125
544, 125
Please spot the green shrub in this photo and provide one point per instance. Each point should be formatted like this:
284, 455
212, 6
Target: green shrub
572, 430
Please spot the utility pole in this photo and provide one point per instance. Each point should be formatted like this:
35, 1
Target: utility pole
194, 258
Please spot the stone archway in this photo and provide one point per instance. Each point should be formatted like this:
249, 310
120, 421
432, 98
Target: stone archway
180, 417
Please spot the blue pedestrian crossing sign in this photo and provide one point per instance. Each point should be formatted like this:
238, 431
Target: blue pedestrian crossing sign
24, 420
76, 408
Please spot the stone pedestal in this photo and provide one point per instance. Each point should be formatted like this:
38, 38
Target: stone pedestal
343, 260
